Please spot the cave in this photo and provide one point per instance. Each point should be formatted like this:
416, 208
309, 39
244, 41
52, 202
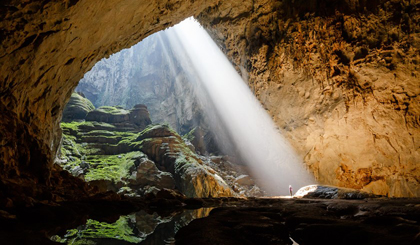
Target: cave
340, 80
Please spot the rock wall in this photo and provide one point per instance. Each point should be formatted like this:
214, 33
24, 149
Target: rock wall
148, 73
340, 78
46, 47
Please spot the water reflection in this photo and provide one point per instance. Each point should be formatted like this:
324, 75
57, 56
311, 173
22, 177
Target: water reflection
137, 228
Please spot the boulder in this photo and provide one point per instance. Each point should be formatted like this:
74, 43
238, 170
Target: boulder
157, 131
148, 174
77, 108
331, 192
139, 116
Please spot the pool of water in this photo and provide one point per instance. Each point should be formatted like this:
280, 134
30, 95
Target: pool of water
142, 227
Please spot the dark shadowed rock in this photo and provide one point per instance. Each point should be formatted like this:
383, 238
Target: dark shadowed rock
148, 174
331, 192
203, 140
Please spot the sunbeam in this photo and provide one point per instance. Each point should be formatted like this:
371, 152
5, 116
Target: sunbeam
272, 160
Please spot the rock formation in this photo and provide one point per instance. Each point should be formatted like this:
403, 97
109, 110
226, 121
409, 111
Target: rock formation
331, 192
77, 108
167, 149
340, 78
203, 140
120, 150
148, 73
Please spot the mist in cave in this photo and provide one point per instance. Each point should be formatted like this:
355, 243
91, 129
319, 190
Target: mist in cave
235, 113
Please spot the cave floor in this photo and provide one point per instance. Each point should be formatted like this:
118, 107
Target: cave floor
229, 221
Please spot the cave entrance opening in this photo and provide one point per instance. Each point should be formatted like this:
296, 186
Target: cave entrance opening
189, 87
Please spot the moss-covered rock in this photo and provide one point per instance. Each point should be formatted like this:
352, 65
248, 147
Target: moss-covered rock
77, 108
114, 168
109, 114
122, 230
157, 131
109, 154
167, 149
135, 119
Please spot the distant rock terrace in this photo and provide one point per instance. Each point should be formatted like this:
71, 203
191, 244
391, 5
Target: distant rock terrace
121, 150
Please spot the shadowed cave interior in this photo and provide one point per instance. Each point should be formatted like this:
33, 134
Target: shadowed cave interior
158, 136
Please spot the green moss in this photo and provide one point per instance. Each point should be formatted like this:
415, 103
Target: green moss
92, 125
87, 124
114, 137
157, 130
75, 127
114, 110
125, 134
114, 168
90, 150
70, 125
102, 124
70, 128
70, 151
77, 108
100, 132
129, 139
190, 135
184, 161
121, 230
82, 102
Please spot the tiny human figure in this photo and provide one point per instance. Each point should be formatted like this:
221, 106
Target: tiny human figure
291, 190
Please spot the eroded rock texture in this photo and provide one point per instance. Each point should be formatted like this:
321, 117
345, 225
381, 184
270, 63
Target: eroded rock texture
46, 47
77, 108
113, 151
340, 78
148, 73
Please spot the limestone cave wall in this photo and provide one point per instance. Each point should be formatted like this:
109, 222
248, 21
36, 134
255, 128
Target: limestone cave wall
46, 47
340, 78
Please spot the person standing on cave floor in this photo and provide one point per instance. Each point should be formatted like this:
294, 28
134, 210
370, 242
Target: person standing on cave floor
291, 190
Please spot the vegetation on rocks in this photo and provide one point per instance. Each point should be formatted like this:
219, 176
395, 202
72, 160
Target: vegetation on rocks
77, 108
115, 110
115, 149
93, 229
114, 167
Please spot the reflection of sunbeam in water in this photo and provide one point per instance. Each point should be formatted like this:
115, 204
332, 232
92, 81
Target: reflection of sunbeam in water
270, 158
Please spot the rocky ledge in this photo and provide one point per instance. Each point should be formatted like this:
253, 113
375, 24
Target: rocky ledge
120, 150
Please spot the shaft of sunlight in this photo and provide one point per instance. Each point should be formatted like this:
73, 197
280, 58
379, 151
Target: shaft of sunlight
268, 155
